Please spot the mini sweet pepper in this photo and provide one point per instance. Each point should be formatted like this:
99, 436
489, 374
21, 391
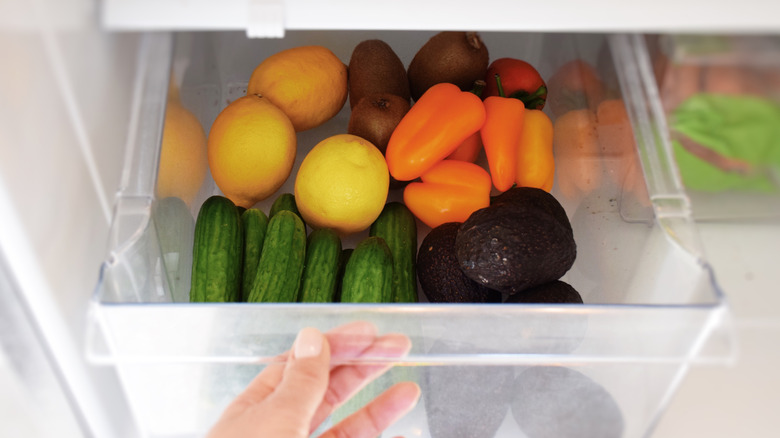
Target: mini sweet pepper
434, 127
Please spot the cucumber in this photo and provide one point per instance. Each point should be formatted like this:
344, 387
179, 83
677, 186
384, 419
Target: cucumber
175, 228
285, 201
368, 275
255, 225
217, 252
396, 224
319, 281
281, 260
343, 258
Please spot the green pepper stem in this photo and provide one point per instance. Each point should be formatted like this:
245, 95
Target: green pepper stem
500, 87
479, 85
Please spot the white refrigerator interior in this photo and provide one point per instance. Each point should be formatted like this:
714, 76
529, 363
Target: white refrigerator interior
82, 99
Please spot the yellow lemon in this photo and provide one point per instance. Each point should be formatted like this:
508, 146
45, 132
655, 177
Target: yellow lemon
251, 150
183, 163
342, 184
308, 83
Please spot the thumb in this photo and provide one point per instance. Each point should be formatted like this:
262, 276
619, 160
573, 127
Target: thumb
305, 380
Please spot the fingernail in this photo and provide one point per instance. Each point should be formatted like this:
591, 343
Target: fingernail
308, 343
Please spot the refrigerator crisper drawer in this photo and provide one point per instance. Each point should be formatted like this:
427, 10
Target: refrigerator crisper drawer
652, 306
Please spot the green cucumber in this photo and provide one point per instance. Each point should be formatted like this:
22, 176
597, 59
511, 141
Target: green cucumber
319, 281
368, 275
396, 224
217, 252
175, 228
255, 225
281, 260
343, 258
285, 201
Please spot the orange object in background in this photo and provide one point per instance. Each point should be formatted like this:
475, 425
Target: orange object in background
449, 192
434, 127
577, 153
575, 85
535, 160
469, 149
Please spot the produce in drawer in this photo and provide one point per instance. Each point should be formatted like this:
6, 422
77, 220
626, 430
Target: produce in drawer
458, 58
281, 260
449, 192
575, 85
342, 184
374, 118
501, 136
254, 225
285, 201
560, 402
396, 224
217, 252
251, 150
374, 68
441, 278
368, 274
308, 83
553, 292
319, 280
433, 129
183, 163
514, 244
726, 142
520, 80
535, 159
577, 153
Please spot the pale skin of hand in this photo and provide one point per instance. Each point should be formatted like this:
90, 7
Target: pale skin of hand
291, 397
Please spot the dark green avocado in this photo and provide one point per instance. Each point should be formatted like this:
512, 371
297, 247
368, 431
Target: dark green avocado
514, 246
440, 277
554, 292
537, 198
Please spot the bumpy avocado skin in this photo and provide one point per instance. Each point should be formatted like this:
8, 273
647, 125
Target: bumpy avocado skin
514, 245
440, 276
554, 292
534, 197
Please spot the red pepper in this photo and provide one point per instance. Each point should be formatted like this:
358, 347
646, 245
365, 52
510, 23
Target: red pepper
501, 136
519, 79
434, 127
449, 192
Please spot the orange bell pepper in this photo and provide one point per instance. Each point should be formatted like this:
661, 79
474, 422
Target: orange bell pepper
434, 127
469, 149
449, 192
535, 162
501, 136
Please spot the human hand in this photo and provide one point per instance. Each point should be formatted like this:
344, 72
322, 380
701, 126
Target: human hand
291, 399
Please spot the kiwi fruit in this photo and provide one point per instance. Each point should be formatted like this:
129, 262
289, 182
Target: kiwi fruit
459, 58
374, 118
375, 68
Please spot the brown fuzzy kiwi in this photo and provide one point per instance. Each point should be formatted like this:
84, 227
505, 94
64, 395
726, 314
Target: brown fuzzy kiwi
375, 117
459, 58
375, 68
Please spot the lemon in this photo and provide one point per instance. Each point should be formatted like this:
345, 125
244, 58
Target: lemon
342, 184
183, 163
308, 83
251, 150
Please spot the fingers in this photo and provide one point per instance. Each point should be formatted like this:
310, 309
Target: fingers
378, 415
346, 341
347, 380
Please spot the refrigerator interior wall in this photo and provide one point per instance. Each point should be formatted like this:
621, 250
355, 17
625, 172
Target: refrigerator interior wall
66, 88
652, 303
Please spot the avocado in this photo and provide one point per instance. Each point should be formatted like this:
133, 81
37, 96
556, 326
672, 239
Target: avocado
555, 292
465, 401
559, 402
537, 198
440, 276
375, 68
514, 246
459, 58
